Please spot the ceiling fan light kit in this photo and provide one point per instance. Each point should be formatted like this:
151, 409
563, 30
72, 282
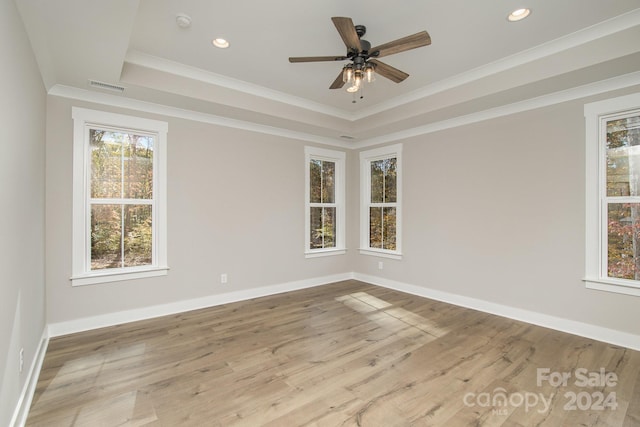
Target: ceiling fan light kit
364, 66
353, 75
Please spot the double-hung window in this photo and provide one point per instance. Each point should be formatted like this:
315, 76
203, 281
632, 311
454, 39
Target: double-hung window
324, 195
381, 208
613, 195
119, 197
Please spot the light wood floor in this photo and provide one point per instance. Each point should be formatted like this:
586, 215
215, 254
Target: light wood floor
342, 354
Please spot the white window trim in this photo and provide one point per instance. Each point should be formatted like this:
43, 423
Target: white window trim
595, 263
366, 157
338, 157
81, 272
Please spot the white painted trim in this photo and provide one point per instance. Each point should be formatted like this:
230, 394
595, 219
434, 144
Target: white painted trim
595, 332
586, 330
83, 119
111, 319
380, 253
198, 74
340, 185
23, 405
591, 89
324, 252
165, 110
569, 41
612, 286
110, 276
366, 157
595, 231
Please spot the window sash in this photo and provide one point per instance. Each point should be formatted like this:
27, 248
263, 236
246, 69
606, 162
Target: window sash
338, 204
367, 160
322, 205
623, 261
84, 121
606, 201
91, 201
122, 160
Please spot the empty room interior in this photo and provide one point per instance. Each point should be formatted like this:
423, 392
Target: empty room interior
326, 213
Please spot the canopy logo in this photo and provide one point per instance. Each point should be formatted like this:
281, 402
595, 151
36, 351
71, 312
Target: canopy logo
591, 396
500, 401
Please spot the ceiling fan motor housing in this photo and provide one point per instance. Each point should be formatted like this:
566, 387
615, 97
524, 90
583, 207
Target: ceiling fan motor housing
361, 30
364, 58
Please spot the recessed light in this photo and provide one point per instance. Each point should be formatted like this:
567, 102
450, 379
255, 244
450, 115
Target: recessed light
221, 43
518, 14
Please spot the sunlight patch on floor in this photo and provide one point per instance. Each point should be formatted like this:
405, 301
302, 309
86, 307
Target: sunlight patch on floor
388, 316
93, 375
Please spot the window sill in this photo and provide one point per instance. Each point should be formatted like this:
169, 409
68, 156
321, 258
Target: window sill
612, 285
324, 252
381, 253
106, 277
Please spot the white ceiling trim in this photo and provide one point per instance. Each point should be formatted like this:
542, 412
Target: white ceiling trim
586, 35
149, 107
620, 82
591, 89
172, 67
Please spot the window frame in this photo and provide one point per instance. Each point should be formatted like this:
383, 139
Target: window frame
366, 157
596, 263
337, 157
83, 120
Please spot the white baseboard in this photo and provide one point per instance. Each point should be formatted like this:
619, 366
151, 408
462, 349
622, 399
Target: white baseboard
586, 330
111, 319
595, 332
62, 328
21, 411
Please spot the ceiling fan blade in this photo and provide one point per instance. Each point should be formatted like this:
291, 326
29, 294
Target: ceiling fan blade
348, 33
406, 43
316, 58
338, 82
389, 72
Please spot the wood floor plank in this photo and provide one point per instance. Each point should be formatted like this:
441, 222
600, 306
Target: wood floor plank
346, 354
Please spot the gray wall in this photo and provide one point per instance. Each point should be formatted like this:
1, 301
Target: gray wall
492, 211
495, 211
22, 189
235, 207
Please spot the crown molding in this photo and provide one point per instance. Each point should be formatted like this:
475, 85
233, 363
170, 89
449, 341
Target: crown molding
591, 89
620, 82
149, 61
586, 35
165, 110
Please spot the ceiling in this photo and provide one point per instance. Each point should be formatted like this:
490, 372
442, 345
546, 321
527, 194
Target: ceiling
478, 62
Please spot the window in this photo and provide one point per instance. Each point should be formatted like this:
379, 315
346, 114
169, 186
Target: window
324, 195
119, 197
381, 208
613, 195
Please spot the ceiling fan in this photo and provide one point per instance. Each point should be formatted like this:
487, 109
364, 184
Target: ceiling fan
364, 63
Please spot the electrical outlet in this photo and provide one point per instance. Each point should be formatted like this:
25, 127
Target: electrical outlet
380, 265
21, 359
223, 278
